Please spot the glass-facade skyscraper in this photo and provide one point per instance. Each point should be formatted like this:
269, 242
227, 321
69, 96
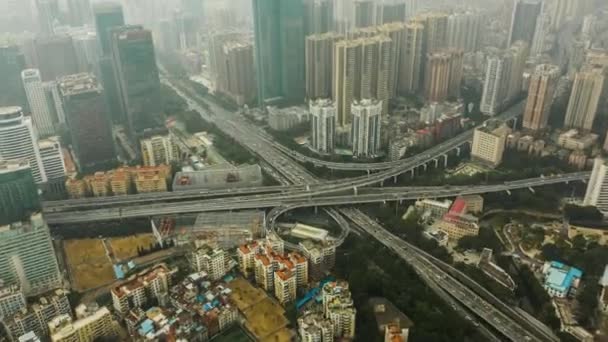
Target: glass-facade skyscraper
279, 44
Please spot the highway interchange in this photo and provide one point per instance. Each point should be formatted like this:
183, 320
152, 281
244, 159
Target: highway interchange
301, 189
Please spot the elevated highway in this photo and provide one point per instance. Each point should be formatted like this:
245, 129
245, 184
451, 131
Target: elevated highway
304, 199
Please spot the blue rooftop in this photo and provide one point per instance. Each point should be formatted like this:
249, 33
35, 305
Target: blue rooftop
560, 276
146, 327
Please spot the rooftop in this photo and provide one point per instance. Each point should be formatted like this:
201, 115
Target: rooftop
387, 313
560, 276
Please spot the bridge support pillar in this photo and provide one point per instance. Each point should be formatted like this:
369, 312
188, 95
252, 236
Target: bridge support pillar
316, 210
508, 192
413, 173
445, 163
355, 190
458, 151
368, 172
531, 190
424, 165
395, 179
382, 184
514, 123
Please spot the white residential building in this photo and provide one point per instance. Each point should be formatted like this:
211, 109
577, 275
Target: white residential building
158, 150
37, 100
597, 188
322, 125
19, 141
212, 261
366, 115
52, 158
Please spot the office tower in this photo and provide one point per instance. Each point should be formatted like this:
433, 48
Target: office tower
366, 124
137, 79
519, 53
158, 150
27, 257
79, 12
279, 48
107, 16
597, 189
319, 16
319, 64
496, 83
92, 324
87, 117
185, 28
52, 159
585, 98
411, 59
56, 57
443, 75
464, 29
489, 143
18, 192
365, 13
540, 96
18, 140
39, 106
48, 14
523, 20
87, 51
234, 68
12, 63
322, 125
361, 71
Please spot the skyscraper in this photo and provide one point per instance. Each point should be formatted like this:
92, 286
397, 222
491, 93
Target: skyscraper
322, 125
496, 83
48, 13
540, 96
79, 12
319, 64
519, 52
39, 106
87, 117
27, 257
234, 67
390, 12
443, 75
361, 71
18, 192
279, 47
12, 63
366, 126
107, 16
585, 98
597, 189
464, 29
523, 20
435, 31
411, 59
56, 57
319, 16
137, 78
18, 140
396, 32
